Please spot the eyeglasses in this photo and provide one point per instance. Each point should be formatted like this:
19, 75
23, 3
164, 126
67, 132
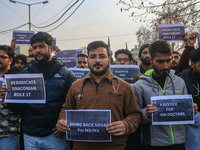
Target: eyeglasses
124, 59
80, 62
3, 57
41, 46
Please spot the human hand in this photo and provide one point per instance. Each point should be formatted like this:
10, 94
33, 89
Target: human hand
3, 91
190, 39
150, 109
62, 127
195, 106
116, 128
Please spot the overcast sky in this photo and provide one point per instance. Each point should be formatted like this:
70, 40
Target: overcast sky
94, 18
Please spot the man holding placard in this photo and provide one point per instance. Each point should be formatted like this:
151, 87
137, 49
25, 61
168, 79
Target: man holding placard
101, 90
160, 81
9, 121
39, 120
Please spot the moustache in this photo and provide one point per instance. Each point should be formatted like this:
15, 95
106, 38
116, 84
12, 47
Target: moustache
173, 62
97, 64
165, 70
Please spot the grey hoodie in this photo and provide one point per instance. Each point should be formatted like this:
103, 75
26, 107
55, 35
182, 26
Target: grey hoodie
145, 88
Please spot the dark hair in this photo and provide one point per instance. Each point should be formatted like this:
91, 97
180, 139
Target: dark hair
22, 57
124, 51
176, 52
160, 46
96, 44
8, 50
195, 56
142, 48
42, 36
82, 55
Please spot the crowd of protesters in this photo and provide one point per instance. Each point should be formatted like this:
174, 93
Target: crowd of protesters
162, 72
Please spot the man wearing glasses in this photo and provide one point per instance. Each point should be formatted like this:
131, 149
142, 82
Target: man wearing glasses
9, 121
123, 57
82, 61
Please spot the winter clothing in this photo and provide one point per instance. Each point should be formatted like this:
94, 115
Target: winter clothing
122, 104
9, 121
40, 119
145, 88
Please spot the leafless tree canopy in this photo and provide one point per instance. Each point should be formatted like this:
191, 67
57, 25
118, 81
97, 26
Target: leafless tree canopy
153, 12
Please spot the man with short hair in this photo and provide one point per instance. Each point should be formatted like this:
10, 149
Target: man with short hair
82, 61
30, 58
100, 89
159, 81
175, 57
9, 121
20, 61
191, 76
145, 58
123, 57
39, 120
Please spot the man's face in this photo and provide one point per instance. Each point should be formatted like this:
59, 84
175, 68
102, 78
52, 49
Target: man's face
5, 61
122, 59
29, 59
42, 51
98, 61
175, 60
20, 65
196, 67
161, 64
82, 62
145, 57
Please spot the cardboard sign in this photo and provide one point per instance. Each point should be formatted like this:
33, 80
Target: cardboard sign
173, 109
198, 38
171, 32
25, 88
68, 57
22, 38
80, 72
88, 125
126, 72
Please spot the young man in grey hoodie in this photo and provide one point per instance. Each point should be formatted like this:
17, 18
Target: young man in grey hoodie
159, 81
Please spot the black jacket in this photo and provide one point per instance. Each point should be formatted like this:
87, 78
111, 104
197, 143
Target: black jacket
192, 83
40, 119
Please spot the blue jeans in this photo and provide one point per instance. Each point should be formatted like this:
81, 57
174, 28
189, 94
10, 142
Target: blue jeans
50, 142
193, 134
10, 143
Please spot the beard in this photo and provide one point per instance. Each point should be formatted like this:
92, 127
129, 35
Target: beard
160, 73
99, 73
174, 65
145, 61
44, 59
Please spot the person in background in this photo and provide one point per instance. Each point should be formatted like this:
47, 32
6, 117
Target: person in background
123, 57
145, 58
30, 58
13, 45
191, 76
97, 93
20, 61
175, 57
9, 121
82, 61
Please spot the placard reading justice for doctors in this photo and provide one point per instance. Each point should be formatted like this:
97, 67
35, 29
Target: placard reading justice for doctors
22, 38
173, 109
80, 72
25, 88
171, 32
126, 72
88, 125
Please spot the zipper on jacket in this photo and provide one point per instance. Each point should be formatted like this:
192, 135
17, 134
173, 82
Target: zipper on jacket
97, 86
170, 126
